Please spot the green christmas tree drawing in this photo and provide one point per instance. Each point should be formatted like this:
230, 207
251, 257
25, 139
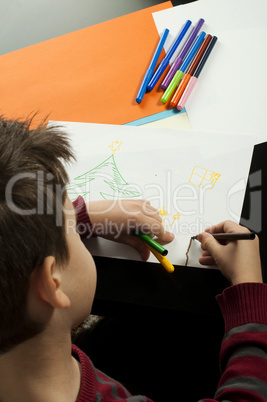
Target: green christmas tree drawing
107, 173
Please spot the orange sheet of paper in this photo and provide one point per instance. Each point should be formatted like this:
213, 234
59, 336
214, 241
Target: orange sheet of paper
91, 75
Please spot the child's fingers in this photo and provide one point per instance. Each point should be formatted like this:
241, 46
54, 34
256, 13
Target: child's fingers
143, 217
226, 227
150, 211
219, 228
155, 228
207, 260
208, 243
165, 235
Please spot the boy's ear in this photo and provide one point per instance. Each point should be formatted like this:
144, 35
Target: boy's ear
49, 285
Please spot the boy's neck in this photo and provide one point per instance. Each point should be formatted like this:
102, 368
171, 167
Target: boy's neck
39, 371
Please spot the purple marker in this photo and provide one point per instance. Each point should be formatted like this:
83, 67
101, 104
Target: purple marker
178, 61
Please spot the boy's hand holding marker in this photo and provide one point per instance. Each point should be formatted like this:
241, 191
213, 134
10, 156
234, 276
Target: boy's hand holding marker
119, 220
136, 222
239, 260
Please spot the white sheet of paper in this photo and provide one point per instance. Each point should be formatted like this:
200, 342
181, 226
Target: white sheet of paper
231, 92
165, 167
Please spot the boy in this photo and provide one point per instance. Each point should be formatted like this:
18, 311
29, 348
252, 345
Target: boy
48, 278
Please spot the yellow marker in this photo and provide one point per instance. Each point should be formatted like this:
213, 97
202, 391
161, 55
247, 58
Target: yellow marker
163, 260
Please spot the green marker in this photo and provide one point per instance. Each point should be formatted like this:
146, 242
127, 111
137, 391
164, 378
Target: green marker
152, 243
172, 86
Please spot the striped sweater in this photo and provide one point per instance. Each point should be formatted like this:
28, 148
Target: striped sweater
97, 386
243, 356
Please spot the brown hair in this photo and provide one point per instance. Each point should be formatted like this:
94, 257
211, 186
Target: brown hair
32, 194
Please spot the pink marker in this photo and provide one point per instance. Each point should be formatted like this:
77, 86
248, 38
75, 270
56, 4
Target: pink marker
189, 88
193, 80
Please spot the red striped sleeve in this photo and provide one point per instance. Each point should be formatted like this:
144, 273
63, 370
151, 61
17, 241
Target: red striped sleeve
84, 225
245, 366
238, 395
243, 354
243, 303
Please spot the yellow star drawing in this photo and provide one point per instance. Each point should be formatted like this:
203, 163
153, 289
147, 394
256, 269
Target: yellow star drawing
163, 213
175, 218
115, 146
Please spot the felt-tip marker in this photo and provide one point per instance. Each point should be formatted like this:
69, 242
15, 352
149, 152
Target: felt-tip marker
179, 91
193, 80
151, 67
162, 260
231, 236
178, 61
179, 74
164, 63
152, 243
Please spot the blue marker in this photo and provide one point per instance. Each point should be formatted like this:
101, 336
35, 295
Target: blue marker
179, 74
178, 61
163, 65
151, 67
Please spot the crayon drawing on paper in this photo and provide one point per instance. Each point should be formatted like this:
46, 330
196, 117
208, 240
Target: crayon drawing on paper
203, 178
166, 220
108, 177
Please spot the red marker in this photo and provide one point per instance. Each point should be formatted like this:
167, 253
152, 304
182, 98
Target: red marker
193, 80
177, 95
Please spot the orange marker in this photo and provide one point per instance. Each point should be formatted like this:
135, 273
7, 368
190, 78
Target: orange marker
176, 97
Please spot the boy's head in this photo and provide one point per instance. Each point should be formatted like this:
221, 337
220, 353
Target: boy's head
32, 225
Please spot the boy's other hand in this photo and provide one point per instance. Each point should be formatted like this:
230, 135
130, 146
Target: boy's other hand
118, 220
239, 260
